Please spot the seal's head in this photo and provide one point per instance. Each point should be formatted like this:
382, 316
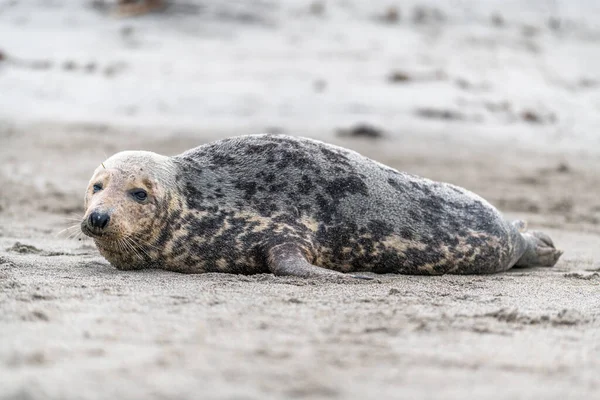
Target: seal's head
124, 202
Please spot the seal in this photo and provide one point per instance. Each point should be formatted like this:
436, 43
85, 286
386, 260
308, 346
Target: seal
295, 206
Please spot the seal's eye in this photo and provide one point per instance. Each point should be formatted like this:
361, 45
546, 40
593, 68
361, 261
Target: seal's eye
139, 194
97, 188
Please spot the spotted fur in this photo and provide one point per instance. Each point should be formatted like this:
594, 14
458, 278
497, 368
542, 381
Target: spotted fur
224, 206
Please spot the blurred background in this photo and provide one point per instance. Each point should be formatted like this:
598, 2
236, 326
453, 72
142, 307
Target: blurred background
528, 70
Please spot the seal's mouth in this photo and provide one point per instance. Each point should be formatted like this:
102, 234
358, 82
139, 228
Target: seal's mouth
93, 232
86, 230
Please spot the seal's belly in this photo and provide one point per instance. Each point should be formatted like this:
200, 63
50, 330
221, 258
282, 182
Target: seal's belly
395, 253
215, 254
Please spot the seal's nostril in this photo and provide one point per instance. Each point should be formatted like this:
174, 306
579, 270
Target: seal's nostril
99, 219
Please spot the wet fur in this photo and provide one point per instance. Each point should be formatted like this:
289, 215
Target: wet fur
224, 206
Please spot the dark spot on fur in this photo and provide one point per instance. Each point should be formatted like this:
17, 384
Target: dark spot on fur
380, 229
249, 189
220, 160
335, 157
396, 185
341, 187
305, 185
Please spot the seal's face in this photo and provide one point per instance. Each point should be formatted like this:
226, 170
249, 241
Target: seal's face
123, 204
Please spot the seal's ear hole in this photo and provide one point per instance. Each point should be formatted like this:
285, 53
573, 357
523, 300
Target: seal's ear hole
139, 195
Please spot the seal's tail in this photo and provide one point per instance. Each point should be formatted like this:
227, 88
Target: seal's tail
539, 249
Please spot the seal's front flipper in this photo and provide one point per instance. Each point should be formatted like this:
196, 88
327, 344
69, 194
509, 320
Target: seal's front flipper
288, 259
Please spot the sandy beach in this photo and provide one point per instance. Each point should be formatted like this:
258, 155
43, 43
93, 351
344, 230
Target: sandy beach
501, 98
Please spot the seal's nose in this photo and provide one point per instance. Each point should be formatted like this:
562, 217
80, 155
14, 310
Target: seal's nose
99, 219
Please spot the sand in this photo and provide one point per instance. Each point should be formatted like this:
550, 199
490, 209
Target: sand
508, 110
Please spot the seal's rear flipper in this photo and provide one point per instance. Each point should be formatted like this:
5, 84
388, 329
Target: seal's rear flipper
540, 251
288, 259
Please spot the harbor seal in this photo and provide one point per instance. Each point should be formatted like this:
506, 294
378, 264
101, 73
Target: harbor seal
295, 206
